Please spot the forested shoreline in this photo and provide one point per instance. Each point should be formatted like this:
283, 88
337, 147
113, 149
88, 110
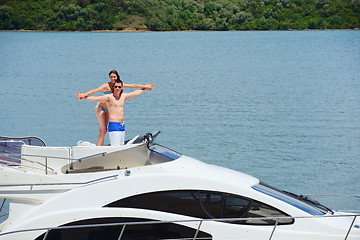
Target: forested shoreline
174, 15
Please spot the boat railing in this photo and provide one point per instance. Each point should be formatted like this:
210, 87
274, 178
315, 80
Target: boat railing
3, 214
317, 196
31, 185
5, 142
343, 197
52, 164
12, 141
62, 183
17, 160
122, 226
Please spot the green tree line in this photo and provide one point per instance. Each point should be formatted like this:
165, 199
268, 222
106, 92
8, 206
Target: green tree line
170, 15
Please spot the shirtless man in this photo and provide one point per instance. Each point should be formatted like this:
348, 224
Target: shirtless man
115, 103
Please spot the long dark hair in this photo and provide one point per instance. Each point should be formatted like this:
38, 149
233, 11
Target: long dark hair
111, 85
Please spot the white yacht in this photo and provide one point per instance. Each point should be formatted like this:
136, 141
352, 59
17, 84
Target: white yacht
143, 190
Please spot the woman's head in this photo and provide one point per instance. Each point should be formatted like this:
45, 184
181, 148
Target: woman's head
114, 75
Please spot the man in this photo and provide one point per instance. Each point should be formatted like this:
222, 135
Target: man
115, 103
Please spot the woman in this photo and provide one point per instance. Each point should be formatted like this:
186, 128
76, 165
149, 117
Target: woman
101, 110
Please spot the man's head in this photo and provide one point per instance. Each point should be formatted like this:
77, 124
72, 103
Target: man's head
118, 86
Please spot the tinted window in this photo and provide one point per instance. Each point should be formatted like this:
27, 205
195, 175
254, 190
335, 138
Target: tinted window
305, 204
205, 204
148, 231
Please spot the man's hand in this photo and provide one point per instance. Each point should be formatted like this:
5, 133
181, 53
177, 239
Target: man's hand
80, 95
149, 86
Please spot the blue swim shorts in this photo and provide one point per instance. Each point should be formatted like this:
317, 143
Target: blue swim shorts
116, 127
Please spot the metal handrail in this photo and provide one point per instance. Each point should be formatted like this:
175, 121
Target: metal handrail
11, 141
18, 139
200, 221
60, 184
331, 195
40, 156
18, 156
2, 205
14, 164
316, 197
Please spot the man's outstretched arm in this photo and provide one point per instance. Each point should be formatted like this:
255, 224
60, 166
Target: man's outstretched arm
134, 93
101, 99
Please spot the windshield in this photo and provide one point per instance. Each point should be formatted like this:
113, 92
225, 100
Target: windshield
304, 203
161, 154
12, 145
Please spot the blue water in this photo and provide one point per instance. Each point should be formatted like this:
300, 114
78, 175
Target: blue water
281, 106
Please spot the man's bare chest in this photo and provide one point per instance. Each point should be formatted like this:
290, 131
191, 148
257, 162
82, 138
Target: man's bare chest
117, 102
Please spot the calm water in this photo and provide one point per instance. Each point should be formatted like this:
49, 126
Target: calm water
281, 106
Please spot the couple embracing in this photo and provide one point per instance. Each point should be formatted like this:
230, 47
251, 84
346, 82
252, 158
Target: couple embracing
110, 107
